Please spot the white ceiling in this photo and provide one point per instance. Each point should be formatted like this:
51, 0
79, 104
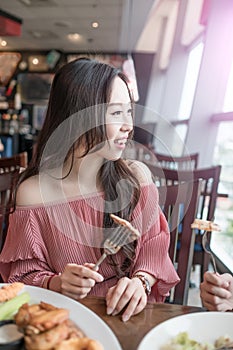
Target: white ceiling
46, 24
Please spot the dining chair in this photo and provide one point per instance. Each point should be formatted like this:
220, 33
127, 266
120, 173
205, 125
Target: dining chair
185, 162
17, 161
179, 204
149, 156
207, 200
7, 183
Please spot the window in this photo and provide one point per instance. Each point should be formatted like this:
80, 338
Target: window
222, 243
190, 81
228, 101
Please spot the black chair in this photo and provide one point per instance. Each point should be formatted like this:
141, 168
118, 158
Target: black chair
179, 204
16, 162
7, 184
207, 200
185, 162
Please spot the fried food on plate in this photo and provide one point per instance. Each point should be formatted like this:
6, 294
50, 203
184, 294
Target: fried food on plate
9, 291
79, 344
37, 318
205, 225
48, 339
47, 327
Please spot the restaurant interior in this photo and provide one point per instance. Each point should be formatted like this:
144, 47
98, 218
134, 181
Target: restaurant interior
178, 57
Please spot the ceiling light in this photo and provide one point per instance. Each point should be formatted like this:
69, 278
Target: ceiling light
3, 43
95, 24
35, 61
74, 36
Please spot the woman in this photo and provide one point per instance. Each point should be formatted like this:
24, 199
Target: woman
76, 179
217, 291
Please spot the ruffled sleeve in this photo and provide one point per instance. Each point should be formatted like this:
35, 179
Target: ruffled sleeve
152, 249
24, 255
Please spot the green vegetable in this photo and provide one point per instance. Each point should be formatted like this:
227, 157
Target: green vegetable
183, 342
10, 307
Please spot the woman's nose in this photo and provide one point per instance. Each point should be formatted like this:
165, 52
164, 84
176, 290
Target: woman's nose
127, 122
127, 126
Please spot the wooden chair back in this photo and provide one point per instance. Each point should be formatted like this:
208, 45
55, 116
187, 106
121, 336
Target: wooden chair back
179, 204
186, 162
149, 156
18, 161
7, 183
207, 200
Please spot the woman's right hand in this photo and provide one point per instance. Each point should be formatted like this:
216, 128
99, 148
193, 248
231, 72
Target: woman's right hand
217, 291
76, 281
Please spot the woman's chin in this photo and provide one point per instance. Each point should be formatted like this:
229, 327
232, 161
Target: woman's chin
114, 156
113, 153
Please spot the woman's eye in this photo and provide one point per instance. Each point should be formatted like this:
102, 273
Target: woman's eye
116, 113
130, 111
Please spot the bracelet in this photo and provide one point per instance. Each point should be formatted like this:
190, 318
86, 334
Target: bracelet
145, 282
50, 279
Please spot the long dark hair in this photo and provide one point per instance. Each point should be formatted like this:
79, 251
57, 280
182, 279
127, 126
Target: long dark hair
79, 86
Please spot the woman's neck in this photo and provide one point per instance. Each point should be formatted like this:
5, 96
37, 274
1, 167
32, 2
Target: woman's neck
83, 177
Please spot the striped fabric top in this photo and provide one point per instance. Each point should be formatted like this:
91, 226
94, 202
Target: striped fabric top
42, 239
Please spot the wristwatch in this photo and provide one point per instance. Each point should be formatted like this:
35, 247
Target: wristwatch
145, 283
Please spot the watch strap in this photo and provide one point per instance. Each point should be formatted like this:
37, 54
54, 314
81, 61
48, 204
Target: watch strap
145, 282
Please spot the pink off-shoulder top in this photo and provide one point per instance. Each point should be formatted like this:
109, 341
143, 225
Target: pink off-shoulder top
42, 239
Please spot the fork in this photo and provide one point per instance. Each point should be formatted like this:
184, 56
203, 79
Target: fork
207, 249
116, 240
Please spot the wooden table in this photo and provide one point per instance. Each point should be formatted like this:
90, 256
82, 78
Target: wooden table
131, 333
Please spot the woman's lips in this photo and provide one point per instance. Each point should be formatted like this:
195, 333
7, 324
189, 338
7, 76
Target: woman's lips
120, 143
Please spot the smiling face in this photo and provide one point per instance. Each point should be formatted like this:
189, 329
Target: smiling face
119, 120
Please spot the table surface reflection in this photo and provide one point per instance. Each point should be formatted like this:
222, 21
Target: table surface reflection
131, 333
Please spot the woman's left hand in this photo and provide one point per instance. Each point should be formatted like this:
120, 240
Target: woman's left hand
127, 292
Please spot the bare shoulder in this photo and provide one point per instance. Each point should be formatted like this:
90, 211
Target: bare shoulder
40, 189
141, 170
28, 192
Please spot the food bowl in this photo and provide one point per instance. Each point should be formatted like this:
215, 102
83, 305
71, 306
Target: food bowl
10, 337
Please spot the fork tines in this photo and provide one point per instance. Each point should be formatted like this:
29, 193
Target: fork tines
118, 237
126, 224
122, 235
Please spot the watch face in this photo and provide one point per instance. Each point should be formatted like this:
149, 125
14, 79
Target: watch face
148, 286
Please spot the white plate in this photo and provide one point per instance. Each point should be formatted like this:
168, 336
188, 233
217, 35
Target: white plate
87, 320
201, 326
